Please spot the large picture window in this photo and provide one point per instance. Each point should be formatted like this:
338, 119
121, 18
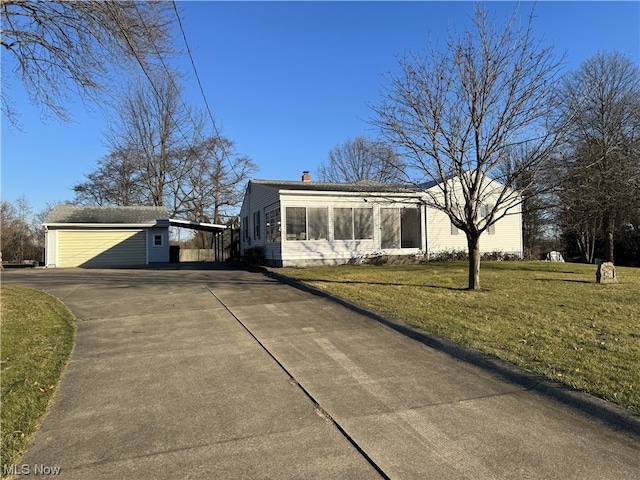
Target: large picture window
363, 223
296, 223
352, 223
400, 228
389, 228
410, 228
272, 218
317, 223
342, 223
307, 223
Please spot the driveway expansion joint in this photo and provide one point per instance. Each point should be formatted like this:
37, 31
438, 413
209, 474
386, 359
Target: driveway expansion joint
317, 407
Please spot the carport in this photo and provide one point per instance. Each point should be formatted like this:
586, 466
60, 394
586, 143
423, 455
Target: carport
217, 230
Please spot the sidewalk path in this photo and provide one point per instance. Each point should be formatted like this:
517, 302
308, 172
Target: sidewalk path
235, 374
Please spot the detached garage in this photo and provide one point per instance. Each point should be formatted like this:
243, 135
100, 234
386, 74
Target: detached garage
97, 237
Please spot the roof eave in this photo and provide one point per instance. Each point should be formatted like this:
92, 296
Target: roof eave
107, 225
176, 222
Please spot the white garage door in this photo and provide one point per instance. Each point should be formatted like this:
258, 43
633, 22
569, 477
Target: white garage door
101, 248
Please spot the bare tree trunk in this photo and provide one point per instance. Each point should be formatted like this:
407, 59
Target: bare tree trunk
587, 244
473, 242
608, 239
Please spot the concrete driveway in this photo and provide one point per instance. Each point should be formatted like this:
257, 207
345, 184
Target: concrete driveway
231, 374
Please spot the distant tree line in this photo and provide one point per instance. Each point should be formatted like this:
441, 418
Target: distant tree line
22, 232
598, 160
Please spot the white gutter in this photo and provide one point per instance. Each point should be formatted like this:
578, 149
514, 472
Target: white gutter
333, 193
105, 225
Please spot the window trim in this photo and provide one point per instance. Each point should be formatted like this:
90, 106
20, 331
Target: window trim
245, 227
155, 237
306, 225
256, 225
273, 232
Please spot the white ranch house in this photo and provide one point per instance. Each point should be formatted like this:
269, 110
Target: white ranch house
312, 223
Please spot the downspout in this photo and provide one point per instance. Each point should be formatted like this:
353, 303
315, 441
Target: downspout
425, 230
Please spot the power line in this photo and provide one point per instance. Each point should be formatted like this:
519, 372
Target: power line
219, 139
144, 69
204, 97
175, 87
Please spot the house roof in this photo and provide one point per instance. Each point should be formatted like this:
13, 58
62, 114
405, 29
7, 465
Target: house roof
335, 187
75, 214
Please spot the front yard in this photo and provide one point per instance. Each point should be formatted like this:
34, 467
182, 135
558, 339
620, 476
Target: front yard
37, 337
548, 318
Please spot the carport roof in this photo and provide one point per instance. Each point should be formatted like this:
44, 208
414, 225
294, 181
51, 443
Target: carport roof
207, 227
77, 214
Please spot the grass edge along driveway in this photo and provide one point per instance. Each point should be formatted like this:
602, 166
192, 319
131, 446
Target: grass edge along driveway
548, 318
37, 333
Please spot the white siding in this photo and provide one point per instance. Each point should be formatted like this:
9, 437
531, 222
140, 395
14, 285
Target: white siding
258, 198
439, 237
330, 251
506, 236
435, 227
506, 239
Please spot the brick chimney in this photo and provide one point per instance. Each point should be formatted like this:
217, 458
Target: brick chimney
305, 176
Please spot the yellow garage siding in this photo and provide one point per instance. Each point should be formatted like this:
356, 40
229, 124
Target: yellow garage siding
101, 248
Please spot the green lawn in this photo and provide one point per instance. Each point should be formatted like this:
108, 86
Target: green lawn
547, 318
37, 334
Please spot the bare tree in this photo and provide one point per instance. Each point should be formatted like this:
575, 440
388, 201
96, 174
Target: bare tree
580, 214
56, 46
361, 159
115, 181
601, 166
161, 156
156, 132
537, 202
456, 114
215, 184
21, 236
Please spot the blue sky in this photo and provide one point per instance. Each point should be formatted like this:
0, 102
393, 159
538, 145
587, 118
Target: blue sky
288, 81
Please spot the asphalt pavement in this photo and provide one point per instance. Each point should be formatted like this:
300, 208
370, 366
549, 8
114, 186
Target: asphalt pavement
226, 373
